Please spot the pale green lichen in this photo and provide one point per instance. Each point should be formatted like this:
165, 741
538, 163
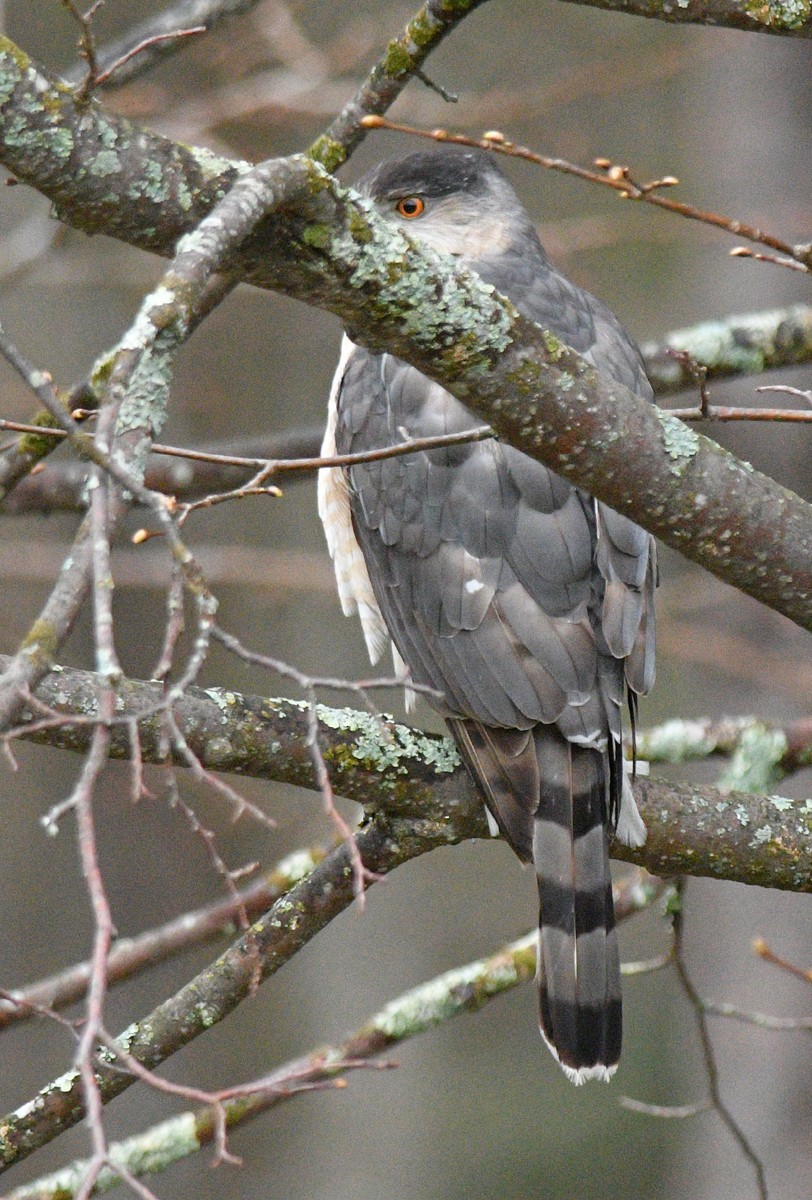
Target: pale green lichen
411, 294
152, 183
223, 699
206, 1016
780, 14
680, 442
675, 741
385, 746
755, 765
9, 75
212, 166
185, 197
762, 835
106, 162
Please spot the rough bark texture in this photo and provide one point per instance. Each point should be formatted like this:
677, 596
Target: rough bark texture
417, 777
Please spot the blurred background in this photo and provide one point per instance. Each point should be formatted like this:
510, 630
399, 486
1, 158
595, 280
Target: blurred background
477, 1108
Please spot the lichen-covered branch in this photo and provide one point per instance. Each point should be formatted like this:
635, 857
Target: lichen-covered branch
463, 989
134, 382
414, 776
760, 754
792, 18
743, 344
402, 60
328, 250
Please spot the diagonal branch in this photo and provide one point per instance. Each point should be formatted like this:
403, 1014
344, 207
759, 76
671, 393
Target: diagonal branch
384, 844
327, 249
461, 990
129, 956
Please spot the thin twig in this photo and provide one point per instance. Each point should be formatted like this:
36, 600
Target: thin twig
708, 1055
761, 948
87, 45
613, 176
480, 433
146, 44
722, 412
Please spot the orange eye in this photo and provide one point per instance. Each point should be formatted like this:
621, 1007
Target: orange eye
410, 207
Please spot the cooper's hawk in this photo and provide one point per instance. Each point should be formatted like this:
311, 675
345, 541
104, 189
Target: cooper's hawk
524, 602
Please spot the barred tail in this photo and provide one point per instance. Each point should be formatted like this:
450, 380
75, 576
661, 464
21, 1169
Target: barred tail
549, 798
578, 963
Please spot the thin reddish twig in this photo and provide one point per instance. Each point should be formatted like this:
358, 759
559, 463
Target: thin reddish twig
615, 176
103, 76
761, 948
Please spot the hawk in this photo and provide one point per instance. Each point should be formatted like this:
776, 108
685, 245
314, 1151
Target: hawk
523, 602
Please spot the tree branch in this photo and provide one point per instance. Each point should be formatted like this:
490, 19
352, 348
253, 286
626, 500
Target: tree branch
745, 344
163, 25
730, 347
787, 17
384, 844
461, 990
129, 956
327, 249
412, 776
60, 486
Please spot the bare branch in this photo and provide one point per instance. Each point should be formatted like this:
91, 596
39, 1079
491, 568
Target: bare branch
616, 177
157, 38
464, 989
130, 956
711, 1070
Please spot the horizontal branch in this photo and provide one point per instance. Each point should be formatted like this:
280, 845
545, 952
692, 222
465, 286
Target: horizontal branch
327, 249
743, 344
396, 770
792, 18
761, 755
463, 989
